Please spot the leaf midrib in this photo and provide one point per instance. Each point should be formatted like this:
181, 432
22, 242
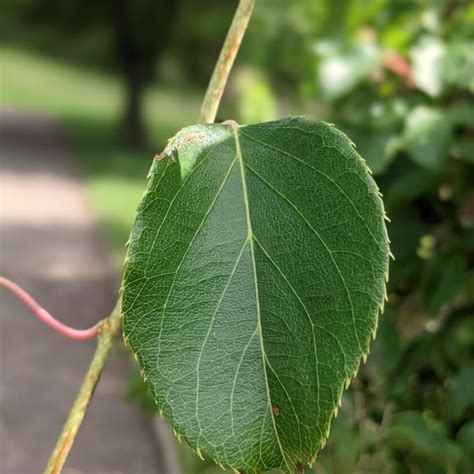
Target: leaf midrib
239, 157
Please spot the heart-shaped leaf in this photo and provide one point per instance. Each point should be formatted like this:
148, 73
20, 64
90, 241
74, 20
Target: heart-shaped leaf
254, 279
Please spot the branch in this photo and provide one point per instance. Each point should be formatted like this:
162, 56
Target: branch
107, 330
225, 61
45, 317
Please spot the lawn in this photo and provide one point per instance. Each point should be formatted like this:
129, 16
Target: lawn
89, 104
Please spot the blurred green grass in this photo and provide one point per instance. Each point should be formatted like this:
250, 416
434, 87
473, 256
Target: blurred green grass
89, 103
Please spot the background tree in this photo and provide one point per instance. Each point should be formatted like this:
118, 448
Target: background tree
129, 36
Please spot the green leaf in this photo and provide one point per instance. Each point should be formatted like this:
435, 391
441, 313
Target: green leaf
461, 394
427, 137
340, 71
444, 277
465, 438
464, 149
254, 277
378, 149
343, 450
461, 114
427, 58
412, 432
458, 65
386, 350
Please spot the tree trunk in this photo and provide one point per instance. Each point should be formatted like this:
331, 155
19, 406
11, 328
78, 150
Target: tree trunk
141, 30
133, 125
131, 62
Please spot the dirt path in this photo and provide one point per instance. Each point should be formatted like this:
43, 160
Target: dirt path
50, 245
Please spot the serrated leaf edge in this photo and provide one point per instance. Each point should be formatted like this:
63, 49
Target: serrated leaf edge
363, 358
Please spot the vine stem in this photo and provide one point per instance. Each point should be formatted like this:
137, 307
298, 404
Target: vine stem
110, 327
225, 61
45, 317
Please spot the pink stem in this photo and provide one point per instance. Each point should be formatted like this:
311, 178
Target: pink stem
45, 317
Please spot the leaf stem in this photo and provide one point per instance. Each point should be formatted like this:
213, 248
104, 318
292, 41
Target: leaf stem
47, 318
108, 328
225, 61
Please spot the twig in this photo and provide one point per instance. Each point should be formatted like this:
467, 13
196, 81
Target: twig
108, 329
225, 61
45, 317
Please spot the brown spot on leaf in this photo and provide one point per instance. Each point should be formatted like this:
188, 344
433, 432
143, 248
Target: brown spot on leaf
299, 468
160, 156
188, 139
276, 410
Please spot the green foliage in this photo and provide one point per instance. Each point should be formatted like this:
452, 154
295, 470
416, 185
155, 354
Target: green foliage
461, 393
411, 431
254, 278
426, 137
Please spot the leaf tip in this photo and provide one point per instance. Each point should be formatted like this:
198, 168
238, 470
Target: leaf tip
176, 434
199, 454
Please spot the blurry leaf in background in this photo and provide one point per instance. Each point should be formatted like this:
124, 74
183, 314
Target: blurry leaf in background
461, 114
463, 149
405, 230
458, 343
410, 431
387, 347
466, 217
377, 149
426, 137
139, 392
443, 279
461, 392
341, 70
458, 65
465, 438
342, 453
427, 58
256, 102
406, 181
